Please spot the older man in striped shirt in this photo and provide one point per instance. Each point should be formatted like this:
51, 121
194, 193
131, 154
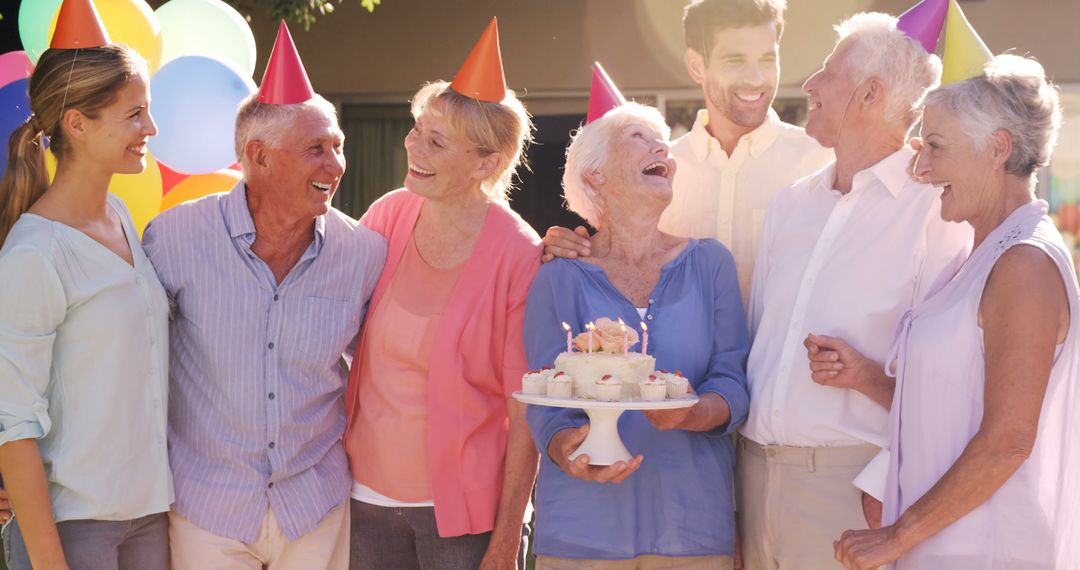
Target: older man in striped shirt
268, 285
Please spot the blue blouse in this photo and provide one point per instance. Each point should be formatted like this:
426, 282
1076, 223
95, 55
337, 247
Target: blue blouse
679, 502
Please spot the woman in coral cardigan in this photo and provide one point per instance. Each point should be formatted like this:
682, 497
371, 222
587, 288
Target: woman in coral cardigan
440, 453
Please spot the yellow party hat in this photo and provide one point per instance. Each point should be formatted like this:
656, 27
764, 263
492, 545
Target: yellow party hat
965, 55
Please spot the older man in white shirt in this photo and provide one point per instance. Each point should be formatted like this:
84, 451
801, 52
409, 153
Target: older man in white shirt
843, 253
739, 152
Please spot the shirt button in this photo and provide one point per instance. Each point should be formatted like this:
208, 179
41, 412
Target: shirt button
651, 301
271, 395
139, 280
648, 317
153, 341
776, 413
270, 485
271, 345
271, 445
275, 297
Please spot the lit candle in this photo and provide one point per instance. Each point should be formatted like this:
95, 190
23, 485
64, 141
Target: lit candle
569, 338
644, 337
591, 328
625, 339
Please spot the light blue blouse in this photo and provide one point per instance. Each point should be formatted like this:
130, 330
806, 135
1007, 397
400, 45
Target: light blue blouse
679, 503
84, 368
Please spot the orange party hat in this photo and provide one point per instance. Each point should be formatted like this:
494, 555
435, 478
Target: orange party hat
481, 76
285, 81
603, 96
79, 26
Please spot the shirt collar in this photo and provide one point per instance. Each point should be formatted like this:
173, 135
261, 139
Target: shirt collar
891, 171
759, 139
238, 216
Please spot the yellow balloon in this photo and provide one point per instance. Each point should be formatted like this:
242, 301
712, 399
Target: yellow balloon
140, 192
129, 22
199, 185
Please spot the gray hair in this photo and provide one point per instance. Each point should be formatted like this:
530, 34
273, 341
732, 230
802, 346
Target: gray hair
590, 150
1012, 95
256, 121
876, 48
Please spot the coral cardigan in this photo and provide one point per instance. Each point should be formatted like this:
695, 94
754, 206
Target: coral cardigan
476, 362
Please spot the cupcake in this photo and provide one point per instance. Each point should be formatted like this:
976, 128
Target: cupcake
560, 386
608, 388
534, 382
677, 385
653, 389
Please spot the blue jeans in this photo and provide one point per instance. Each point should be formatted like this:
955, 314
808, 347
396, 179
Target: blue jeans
138, 544
407, 538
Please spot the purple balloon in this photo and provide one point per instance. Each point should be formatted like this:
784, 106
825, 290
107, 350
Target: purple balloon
14, 111
923, 22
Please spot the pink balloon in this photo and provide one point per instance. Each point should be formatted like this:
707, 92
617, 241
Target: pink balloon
14, 65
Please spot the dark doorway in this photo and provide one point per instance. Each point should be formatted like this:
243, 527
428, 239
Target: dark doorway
538, 196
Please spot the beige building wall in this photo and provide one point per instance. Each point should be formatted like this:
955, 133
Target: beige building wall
549, 45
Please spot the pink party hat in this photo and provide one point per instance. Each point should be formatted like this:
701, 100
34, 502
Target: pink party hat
923, 22
603, 96
285, 81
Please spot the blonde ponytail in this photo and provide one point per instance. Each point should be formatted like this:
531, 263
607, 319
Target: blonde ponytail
26, 178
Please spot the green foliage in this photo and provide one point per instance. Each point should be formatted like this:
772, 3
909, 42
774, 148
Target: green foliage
303, 12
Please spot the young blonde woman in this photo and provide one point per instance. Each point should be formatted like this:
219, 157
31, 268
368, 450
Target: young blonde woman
83, 327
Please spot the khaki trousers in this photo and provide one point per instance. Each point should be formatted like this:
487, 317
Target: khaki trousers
327, 546
644, 562
793, 502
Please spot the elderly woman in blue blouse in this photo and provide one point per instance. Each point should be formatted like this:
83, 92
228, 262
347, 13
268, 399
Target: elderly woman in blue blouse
670, 506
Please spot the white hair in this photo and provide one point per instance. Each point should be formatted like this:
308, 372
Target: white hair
590, 150
876, 48
1012, 95
270, 123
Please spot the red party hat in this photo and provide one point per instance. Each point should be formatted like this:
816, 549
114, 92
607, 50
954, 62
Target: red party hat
79, 26
481, 76
285, 81
603, 96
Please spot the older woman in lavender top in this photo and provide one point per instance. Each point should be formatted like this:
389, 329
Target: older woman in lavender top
984, 435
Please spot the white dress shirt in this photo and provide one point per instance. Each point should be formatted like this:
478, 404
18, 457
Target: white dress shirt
845, 266
725, 197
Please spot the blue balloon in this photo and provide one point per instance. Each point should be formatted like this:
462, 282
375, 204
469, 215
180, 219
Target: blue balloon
14, 111
194, 100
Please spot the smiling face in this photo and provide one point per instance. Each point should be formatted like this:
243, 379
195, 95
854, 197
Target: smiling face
739, 77
306, 167
949, 160
829, 92
116, 138
443, 164
639, 169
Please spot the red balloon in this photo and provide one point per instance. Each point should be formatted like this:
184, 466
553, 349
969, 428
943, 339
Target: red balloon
169, 178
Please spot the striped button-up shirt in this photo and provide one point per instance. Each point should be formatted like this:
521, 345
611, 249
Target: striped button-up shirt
255, 404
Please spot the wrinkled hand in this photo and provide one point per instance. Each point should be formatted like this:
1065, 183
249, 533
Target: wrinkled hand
871, 509
561, 242
868, 549
502, 556
916, 145
568, 440
5, 507
670, 419
834, 363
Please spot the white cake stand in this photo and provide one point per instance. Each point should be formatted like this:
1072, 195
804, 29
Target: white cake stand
603, 444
